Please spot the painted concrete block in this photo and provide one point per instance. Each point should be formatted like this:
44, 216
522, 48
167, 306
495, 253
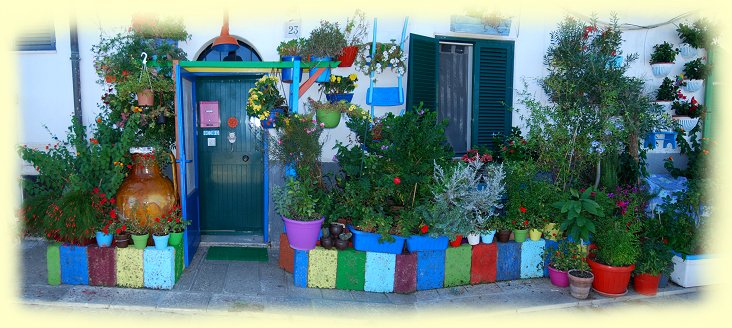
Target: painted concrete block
159, 267
405, 275
457, 265
300, 268
531, 262
179, 260
483, 263
101, 266
430, 269
74, 265
549, 244
287, 254
129, 267
351, 273
322, 267
379, 274
53, 264
508, 263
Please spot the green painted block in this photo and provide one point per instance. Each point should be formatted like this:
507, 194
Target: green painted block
53, 263
351, 273
457, 265
322, 267
130, 272
178, 260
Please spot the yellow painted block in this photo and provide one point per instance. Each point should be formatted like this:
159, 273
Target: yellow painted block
322, 268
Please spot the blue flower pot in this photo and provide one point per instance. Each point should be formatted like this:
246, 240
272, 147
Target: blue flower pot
426, 243
325, 77
487, 238
287, 73
104, 240
161, 242
369, 242
336, 97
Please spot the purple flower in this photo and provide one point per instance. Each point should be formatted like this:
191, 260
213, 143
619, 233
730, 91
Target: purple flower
335, 159
611, 195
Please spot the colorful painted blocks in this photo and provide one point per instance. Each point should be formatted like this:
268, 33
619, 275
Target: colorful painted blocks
508, 265
352, 269
74, 265
287, 254
379, 273
102, 270
405, 273
531, 261
159, 267
300, 268
483, 263
129, 265
457, 265
430, 269
322, 267
53, 264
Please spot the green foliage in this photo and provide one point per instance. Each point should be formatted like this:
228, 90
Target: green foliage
681, 223
327, 106
688, 108
696, 70
663, 53
566, 256
293, 47
263, 97
167, 28
580, 211
299, 145
655, 258
529, 196
617, 241
696, 35
668, 90
513, 147
297, 200
326, 40
356, 28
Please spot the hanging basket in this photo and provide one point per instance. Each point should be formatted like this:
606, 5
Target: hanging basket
693, 85
688, 51
145, 98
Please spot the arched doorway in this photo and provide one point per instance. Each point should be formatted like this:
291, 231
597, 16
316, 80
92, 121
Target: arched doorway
245, 51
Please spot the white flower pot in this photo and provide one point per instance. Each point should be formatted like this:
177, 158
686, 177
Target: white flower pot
473, 239
688, 51
695, 270
693, 85
687, 123
661, 69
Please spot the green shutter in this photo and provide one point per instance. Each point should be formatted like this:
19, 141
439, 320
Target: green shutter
492, 90
422, 72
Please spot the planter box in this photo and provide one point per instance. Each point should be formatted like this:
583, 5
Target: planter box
405, 275
531, 265
483, 263
322, 267
457, 265
159, 267
300, 268
53, 264
74, 265
694, 271
426, 243
351, 272
101, 266
369, 242
287, 254
508, 264
379, 275
430, 269
129, 266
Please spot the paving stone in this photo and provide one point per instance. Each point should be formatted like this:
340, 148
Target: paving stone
483, 263
300, 268
336, 294
371, 297
129, 266
322, 267
452, 292
186, 280
426, 295
242, 278
379, 274
53, 262
44, 292
430, 269
74, 265
210, 278
287, 254
159, 267
508, 261
457, 265
351, 274
135, 299
402, 298
531, 258
184, 301
102, 271
405, 275
89, 296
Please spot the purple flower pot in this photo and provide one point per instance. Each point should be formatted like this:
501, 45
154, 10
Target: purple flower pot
302, 235
558, 278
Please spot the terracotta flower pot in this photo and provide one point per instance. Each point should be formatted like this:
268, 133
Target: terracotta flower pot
609, 280
646, 284
145, 98
579, 283
503, 236
348, 56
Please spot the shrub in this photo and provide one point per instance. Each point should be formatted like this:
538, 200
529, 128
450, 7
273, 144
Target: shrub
695, 35
326, 40
663, 53
695, 70
667, 91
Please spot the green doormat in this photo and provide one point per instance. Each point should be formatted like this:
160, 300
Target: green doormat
237, 254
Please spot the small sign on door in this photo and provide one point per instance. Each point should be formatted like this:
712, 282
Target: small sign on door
209, 114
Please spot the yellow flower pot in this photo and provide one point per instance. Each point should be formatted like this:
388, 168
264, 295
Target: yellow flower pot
551, 231
534, 234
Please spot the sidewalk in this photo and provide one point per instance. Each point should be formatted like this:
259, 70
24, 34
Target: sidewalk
221, 287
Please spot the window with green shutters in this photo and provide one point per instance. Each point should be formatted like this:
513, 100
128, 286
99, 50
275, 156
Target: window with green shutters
422, 72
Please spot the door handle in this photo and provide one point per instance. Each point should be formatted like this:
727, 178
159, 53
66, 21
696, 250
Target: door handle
245, 158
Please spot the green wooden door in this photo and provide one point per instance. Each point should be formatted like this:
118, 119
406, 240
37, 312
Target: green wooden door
230, 174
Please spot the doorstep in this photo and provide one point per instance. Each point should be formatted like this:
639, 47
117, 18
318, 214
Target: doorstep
256, 240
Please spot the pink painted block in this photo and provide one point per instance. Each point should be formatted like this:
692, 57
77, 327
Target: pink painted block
102, 270
405, 275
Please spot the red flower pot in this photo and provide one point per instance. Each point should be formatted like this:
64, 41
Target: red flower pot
458, 240
646, 284
609, 280
348, 56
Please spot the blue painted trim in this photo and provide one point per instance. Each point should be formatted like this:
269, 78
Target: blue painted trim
265, 158
294, 90
371, 75
182, 159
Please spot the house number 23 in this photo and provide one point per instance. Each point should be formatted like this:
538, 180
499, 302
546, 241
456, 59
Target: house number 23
292, 29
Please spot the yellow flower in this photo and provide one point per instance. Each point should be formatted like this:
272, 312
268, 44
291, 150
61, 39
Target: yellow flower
353, 76
338, 79
355, 85
332, 78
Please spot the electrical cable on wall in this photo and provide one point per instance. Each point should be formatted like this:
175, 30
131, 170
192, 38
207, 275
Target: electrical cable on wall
630, 26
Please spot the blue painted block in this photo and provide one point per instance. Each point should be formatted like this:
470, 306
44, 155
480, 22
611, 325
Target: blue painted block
379, 276
508, 262
300, 268
74, 265
531, 261
549, 244
159, 267
430, 269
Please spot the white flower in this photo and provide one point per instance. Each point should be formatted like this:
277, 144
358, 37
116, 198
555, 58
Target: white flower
392, 49
385, 54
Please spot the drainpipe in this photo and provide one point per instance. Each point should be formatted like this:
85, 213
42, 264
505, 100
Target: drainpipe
75, 71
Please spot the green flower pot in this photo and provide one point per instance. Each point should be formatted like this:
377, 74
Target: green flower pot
140, 241
328, 118
175, 238
520, 235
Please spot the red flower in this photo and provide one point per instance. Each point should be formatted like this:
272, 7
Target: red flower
95, 190
177, 220
170, 219
94, 141
511, 151
112, 200
397, 181
424, 229
522, 209
526, 222
124, 227
113, 214
118, 231
125, 73
157, 219
129, 166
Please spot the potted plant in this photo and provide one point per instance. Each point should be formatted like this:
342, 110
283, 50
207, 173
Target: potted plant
695, 72
104, 234
291, 50
580, 281
580, 211
662, 58
667, 92
615, 256
386, 55
296, 204
328, 114
263, 99
106, 216
121, 235
423, 240
140, 233
339, 88
355, 31
654, 259
324, 43
160, 228
562, 258
177, 226
693, 36
687, 112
